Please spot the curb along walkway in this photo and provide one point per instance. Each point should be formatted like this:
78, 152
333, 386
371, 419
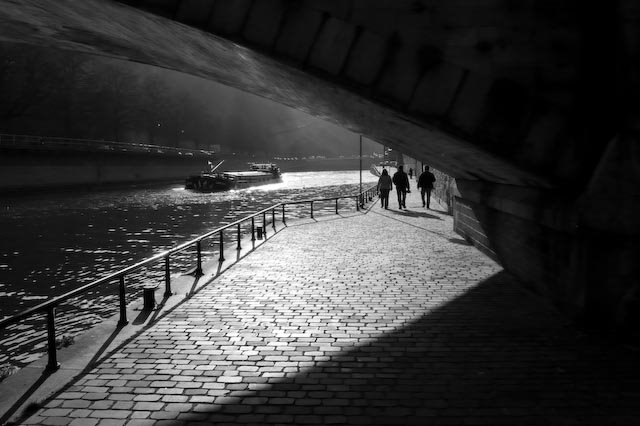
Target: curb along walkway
383, 318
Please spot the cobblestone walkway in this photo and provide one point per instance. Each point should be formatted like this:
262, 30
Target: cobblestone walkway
383, 318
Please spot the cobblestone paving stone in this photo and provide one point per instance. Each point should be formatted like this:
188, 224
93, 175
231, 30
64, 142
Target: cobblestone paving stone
383, 318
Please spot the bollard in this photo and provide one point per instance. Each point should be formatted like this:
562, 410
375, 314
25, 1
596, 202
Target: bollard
53, 363
149, 298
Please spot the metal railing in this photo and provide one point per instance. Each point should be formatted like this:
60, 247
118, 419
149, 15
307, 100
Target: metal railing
46, 142
49, 307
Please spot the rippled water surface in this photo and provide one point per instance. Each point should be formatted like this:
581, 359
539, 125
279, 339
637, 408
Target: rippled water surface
52, 243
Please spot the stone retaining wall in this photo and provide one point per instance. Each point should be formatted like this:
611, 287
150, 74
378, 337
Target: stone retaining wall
469, 227
27, 171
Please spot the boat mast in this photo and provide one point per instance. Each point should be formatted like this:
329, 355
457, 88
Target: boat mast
217, 165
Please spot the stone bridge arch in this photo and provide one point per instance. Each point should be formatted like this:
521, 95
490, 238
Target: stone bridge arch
530, 105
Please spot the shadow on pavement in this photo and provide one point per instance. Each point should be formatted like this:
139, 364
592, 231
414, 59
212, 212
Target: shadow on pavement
23, 398
142, 317
461, 241
445, 212
413, 213
400, 217
495, 355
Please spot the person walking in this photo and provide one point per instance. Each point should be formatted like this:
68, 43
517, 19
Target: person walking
384, 187
401, 181
410, 173
425, 183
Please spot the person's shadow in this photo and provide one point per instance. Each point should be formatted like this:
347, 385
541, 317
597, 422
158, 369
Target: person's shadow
412, 213
460, 241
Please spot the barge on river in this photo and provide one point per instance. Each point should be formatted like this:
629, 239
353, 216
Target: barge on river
258, 174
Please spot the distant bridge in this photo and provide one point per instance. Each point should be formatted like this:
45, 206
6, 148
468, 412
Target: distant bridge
42, 143
35, 162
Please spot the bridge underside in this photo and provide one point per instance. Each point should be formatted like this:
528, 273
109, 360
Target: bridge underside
529, 105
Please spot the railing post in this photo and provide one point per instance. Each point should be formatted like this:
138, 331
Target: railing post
239, 246
123, 304
273, 219
336, 206
284, 221
253, 228
357, 204
264, 224
52, 364
221, 258
167, 277
199, 259
311, 209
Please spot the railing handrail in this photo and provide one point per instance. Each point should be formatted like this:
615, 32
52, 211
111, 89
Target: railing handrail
43, 307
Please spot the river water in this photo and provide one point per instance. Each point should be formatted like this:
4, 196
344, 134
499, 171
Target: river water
53, 243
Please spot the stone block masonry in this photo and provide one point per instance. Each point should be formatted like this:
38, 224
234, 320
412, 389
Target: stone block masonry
469, 227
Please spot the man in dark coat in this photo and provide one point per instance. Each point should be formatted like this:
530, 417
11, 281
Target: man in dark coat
425, 183
401, 181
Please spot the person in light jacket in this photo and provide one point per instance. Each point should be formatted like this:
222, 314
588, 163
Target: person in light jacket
384, 187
